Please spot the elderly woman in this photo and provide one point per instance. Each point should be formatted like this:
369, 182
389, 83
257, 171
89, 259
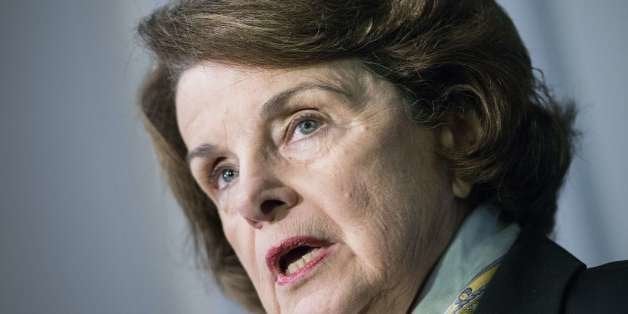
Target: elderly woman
385, 156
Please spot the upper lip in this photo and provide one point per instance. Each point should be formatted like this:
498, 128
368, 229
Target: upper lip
275, 253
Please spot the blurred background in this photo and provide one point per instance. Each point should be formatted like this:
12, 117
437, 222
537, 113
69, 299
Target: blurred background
87, 224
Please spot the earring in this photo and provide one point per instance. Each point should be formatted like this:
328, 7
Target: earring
461, 188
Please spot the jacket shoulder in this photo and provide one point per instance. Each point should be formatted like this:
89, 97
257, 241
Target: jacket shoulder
602, 289
538, 276
533, 277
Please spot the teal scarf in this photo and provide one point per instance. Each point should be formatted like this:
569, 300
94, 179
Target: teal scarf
457, 282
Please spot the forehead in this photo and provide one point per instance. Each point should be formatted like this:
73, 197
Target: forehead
219, 90
236, 80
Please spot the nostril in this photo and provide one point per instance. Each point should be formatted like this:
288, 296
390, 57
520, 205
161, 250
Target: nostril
269, 206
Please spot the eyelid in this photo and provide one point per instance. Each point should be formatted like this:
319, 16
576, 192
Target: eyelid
216, 170
300, 116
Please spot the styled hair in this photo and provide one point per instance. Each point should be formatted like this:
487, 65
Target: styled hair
448, 58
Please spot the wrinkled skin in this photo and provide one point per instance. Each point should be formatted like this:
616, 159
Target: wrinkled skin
336, 158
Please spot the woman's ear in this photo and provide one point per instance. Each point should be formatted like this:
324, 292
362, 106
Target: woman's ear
459, 132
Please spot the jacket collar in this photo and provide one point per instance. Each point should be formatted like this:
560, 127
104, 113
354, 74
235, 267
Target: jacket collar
532, 277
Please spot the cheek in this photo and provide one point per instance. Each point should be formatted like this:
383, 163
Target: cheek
356, 192
382, 200
243, 243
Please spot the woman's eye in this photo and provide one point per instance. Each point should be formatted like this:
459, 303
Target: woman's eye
307, 127
228, 175
224, 176
304, 126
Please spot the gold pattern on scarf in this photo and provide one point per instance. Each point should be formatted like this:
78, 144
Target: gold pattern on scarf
468, 300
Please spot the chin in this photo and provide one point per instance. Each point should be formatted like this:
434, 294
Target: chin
331, 299
351, 295
338, 285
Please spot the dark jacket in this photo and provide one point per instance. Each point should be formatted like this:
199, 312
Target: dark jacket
538, 276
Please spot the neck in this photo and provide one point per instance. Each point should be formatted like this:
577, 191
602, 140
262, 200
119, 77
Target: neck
442, 238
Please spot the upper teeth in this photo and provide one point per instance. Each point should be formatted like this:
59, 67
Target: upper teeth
298, 264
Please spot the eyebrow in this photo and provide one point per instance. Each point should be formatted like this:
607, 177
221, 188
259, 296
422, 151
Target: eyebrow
272, 107
275, 104
202, 150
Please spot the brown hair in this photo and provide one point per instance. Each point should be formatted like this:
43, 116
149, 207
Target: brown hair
447, 57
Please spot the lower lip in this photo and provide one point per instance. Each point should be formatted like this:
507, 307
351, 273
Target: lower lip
307, 269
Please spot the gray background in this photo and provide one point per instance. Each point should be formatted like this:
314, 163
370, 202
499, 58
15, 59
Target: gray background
86, 222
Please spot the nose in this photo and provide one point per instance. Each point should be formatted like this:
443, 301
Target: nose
262, 198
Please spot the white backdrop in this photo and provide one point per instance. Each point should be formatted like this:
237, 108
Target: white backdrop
86, 223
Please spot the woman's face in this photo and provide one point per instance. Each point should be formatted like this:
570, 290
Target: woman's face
333, 200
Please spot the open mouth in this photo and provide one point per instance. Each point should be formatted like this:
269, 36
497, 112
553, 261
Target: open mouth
295, 257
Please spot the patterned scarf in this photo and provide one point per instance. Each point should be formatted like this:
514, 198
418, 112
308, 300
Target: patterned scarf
469, 299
